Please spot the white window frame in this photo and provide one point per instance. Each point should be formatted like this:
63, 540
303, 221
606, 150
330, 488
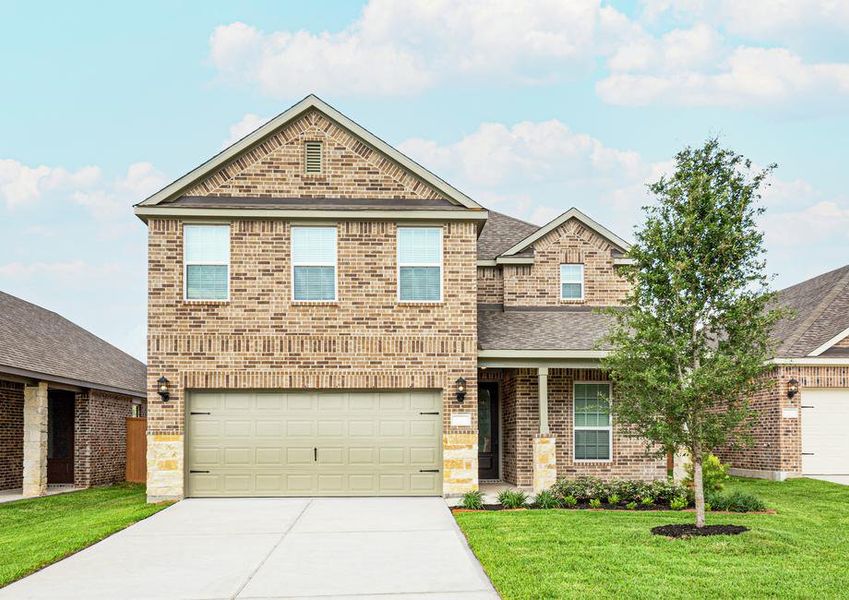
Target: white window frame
187, 263
562, 281
334, 264
608, 428
398, 265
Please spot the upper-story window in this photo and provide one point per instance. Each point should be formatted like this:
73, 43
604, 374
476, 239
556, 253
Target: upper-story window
206, 262
572, 282
314, 264
420, 264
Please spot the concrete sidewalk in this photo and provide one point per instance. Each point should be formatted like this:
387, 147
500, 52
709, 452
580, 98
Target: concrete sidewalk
274, 548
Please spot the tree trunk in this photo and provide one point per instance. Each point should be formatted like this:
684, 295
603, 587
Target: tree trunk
698, 489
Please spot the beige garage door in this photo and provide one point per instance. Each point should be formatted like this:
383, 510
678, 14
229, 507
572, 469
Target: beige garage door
825, 431
314, 443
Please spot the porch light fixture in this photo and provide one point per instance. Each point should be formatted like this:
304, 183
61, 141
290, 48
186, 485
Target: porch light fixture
461, 389
792, 388
162, 388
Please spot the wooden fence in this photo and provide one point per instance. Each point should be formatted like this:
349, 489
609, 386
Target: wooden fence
136, 449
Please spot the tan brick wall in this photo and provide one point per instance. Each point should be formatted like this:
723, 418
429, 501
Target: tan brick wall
539, 284
844, 343
275, 168
261, 339
777, 440
490, 285
520, 425
100, 437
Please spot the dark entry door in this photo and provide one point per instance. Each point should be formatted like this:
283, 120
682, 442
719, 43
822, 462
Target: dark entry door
60, 438
488, 430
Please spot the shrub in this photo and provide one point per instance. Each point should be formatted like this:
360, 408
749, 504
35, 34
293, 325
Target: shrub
545, 499
736, 501
595, 503
570, 502
631, 506
678, 503
714, 474
513, 498
472, 500
613, 499
584, 489
647, 501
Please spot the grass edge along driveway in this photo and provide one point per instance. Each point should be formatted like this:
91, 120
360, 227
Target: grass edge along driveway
39, 531
798, 552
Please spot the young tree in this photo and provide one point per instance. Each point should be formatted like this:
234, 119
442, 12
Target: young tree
692, 341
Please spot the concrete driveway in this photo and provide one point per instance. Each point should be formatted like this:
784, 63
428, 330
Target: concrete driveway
274, 548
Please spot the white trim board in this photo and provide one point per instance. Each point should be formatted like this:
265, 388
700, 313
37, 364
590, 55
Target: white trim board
312, 101
830, 342
572, 213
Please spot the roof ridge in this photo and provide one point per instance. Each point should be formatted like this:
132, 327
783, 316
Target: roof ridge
815, 314
810, 279
70, 322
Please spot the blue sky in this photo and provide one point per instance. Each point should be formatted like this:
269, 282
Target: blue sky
529, 107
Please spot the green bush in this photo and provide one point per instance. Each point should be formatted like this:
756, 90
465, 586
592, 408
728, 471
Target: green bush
584, 489
570, 502
513, 499
613, 499
714, 474
472, 500
631, 506
595, 503
545, 499
736, 501
679, 503
647, 501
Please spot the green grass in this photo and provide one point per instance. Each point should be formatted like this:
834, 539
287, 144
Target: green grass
40, 531
799, 552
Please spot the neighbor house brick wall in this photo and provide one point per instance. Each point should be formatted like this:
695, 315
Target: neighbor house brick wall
11, 434
539, 284
490, 285
100, 437
260, 339
776, 440
520, 423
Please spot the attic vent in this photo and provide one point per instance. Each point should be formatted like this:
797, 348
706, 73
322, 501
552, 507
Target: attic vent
312, 157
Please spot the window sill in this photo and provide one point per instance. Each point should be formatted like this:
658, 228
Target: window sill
419, 303
565, 301
592, 461
315, 303
202, 302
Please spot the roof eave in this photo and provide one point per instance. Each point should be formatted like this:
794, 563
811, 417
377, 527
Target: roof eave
51, 378
572, 213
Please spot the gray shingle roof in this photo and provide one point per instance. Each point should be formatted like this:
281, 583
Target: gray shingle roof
40, 341
534, 329
500, 233
821, 305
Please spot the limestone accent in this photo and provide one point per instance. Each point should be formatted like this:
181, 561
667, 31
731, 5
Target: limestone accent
545, 463
35, 440
164, 467
460, 463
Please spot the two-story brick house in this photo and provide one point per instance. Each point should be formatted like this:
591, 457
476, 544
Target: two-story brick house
327, 317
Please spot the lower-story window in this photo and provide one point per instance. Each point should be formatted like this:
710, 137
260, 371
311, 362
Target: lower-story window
592, 421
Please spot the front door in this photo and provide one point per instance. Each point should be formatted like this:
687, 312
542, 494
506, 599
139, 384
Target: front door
60, 438
488, 430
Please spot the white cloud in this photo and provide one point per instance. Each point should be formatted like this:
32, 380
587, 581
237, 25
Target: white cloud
247, 124
73, 269
21, 184
400, 48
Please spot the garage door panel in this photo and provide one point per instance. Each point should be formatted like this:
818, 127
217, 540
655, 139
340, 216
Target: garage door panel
825, 431
314, 443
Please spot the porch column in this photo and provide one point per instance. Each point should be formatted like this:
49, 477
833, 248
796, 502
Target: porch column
545, 445
35, 440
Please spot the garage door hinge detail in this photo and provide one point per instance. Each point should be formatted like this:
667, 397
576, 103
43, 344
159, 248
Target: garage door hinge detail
199, 413
428, 413
428, 470
193, 471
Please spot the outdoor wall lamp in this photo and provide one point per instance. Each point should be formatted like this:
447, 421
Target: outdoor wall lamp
162, 389
461, 389
792, 388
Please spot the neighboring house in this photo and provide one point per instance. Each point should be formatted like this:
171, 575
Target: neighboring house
64, 398
803, 420
327, 317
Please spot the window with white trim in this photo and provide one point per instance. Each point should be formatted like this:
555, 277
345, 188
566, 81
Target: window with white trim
572, 282
592, 427
314, 264
420, 264
206, 262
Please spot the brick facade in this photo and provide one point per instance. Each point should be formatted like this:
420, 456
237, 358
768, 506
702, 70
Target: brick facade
539, 284
490, 285
520, 425
100, 437
777, 439
11, 434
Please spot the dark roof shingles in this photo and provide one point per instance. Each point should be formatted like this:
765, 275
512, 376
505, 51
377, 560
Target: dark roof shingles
529, 329
500, 233
38, 340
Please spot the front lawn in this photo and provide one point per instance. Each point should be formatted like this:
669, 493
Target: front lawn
799, 552
40, 531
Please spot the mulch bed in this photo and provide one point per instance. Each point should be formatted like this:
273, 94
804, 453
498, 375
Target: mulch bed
690, 530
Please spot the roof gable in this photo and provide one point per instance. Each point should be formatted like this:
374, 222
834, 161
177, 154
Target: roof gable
311, 114
525, 244
500, 233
